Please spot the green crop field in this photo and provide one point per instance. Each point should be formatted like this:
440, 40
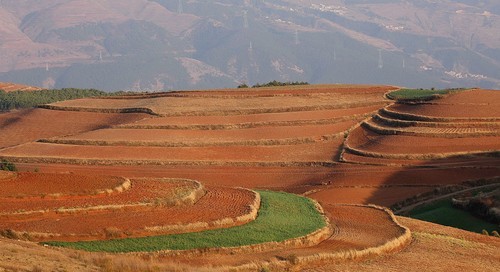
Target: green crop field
442, 212
282, 216
419, 94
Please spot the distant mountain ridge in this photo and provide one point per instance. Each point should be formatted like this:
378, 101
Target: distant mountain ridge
172, 44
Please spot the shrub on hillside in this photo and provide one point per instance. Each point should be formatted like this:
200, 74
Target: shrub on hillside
7, 166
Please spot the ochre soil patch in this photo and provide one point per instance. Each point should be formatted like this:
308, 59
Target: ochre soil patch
251, 136
43, 152
144, 192
27, 184
23, 126
366, 140
11, 87
255, 118
220, 207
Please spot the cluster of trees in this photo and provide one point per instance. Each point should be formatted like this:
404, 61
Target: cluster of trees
23, 99
7, 166
275, 83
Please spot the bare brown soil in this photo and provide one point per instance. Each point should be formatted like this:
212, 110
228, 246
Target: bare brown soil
219, 207
200, 137
255, 118
23, 126
317, 152
364, 139
144, 192
28, 184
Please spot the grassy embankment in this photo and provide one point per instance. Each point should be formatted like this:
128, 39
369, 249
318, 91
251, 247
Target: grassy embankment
281, 217
420, 94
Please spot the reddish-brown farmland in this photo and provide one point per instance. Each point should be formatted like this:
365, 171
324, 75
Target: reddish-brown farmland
252, 119
322, 152
143, 192
170, 137
27, 184
366, 140
23, 126
199, 105
220, 207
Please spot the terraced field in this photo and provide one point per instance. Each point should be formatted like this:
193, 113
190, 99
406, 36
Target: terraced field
294, 139
132, 208
460, 124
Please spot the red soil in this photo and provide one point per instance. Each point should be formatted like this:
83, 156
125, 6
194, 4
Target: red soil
254, 118
142, 192
28, 125
200, 137
303, 179
11, 87
40, 184
217, 204
321, 151
366, 140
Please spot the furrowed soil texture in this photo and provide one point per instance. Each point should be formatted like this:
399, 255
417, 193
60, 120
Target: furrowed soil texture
80, 154
26, 185
28, 125
220, 207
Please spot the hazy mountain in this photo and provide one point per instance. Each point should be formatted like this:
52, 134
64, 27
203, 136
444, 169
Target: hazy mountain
186, 44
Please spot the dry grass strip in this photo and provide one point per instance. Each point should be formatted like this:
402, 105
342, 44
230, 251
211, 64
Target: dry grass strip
58, 160
263, 142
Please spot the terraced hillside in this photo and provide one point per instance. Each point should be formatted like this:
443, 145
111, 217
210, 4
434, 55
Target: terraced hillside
407, 132
181, 204
297, 126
